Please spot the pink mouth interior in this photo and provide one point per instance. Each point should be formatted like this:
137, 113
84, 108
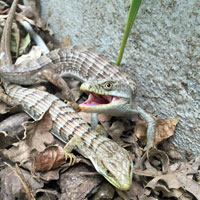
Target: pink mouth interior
96, 99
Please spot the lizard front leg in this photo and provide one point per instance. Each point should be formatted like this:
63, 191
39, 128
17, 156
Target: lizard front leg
69, 147
151, 126
97, 127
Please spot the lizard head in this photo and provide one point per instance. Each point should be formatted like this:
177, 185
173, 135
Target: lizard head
114, 163
106, 96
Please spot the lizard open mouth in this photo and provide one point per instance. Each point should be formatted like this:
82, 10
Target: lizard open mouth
97, 99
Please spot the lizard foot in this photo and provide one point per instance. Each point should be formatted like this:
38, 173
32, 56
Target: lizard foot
72, 158
149, 146
101, 130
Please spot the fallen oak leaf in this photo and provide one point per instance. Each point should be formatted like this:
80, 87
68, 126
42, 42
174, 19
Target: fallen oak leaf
21, 17
164, 129
11, 129
33, 54
158, 159
4, 108
36, 136
26, 186
51, 158
85, 116
105, 191
116, 130
175, 181
74, 184
27, 11
11, 187
180, 177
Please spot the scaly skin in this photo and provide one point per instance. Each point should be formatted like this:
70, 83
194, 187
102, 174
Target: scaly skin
115, 98
78, 62
73, 61
108, 158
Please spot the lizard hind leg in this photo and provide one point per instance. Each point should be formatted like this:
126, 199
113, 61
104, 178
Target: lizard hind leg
69, 147
72, 158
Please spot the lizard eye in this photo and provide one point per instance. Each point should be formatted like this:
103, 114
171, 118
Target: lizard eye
108, 85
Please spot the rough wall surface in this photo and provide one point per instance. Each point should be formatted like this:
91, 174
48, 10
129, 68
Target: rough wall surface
162, 53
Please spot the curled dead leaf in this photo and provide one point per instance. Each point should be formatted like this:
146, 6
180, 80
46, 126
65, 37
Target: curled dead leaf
157, 159
12, 188
34, 53
106, 191
36, 136
77, 183
164, 129
11, 129
51, 158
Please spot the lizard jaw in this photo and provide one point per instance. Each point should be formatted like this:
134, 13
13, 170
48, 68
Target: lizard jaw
97, 99
99, 103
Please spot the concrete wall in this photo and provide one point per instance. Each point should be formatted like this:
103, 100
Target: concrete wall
162, 53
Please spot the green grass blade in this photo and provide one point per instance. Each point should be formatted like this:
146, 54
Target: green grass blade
135, 4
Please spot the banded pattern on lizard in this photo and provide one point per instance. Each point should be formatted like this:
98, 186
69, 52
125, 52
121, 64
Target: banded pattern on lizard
73, 61
78, 62
108, 158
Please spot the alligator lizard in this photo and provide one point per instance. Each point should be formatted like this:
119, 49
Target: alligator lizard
83, 64
108, 158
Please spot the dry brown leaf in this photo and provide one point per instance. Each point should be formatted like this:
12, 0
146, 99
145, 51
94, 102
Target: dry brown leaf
76, 93
104, 118
181, 177
36, 136
27, 11
164, 129
51, 158
33, 54
11, 129
106, 191
171, 150
4, 108
156, 160
135, 190
29, 14
174, 181
116, 130
85, 116
75, 185
53, 174
11, 187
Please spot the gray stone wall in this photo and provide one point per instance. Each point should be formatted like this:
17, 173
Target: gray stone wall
162, 53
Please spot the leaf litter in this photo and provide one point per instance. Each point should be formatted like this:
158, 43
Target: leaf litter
158, 174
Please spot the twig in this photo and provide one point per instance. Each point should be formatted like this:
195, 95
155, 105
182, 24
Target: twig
27, 188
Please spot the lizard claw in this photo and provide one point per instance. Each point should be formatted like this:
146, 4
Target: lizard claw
72, 158
149, 146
